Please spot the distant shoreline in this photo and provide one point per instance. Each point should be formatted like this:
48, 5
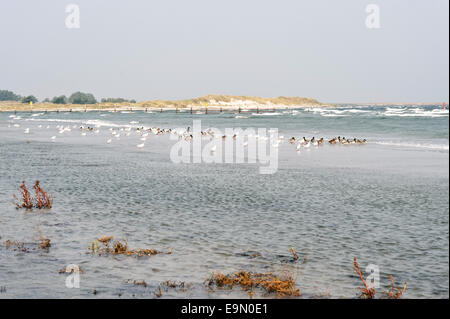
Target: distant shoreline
65, 108
206, 103
45, 107
210, 102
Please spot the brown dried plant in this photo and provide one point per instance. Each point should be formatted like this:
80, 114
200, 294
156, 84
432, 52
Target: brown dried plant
26, 197
369, 293
169, 284
42, 199
119, 248
294, 254
158, 293
9, 243
137, 283
280, 285
45, 242
42, 244
396, 292
366, 292
72, 270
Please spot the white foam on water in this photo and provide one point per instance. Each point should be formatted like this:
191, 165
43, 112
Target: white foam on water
106, 123
334, 115
329, 112
55, 120
390, 109
315, 109
266, 114
415, 112
440, 111
360, 111
416, 145
88, 122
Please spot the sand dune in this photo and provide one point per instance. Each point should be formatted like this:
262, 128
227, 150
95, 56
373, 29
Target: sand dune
211, 101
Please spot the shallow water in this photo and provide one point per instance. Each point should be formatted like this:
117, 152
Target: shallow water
385, 203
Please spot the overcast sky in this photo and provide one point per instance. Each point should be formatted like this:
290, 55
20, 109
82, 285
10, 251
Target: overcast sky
180, 49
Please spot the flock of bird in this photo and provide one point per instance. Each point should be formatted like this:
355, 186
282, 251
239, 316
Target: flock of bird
188, 135
318, 142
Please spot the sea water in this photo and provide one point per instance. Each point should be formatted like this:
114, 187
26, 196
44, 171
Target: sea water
385, 203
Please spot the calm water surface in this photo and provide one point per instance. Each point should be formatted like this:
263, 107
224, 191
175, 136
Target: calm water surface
386, 203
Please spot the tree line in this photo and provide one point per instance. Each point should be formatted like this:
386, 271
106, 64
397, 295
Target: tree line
74, 98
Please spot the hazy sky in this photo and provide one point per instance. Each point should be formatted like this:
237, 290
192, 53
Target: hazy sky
180, 49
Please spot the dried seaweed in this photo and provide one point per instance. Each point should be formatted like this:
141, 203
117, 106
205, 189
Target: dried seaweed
280, 285
137, 283
43, 243
120, 248
72, 270
180, 286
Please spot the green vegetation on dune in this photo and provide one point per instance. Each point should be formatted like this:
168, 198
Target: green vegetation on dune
29, 98
60, 100
82, 98
6, 95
